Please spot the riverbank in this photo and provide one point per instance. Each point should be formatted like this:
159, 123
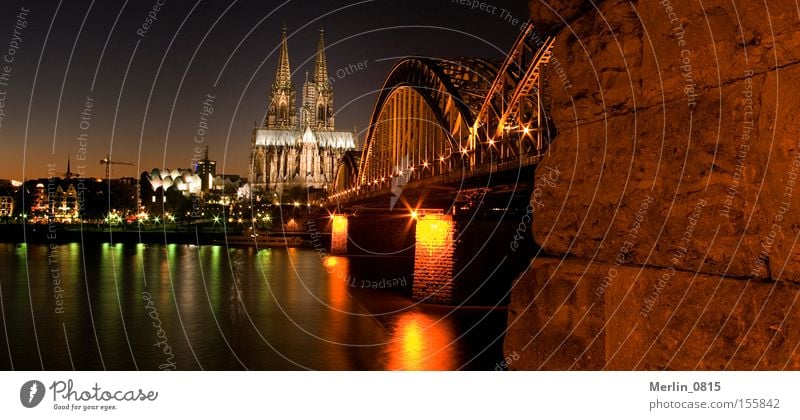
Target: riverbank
176, 234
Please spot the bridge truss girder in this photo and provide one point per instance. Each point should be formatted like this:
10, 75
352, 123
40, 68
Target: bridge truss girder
512, 120
420, 123
437, 117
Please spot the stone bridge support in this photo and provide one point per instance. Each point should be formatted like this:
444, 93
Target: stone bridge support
463, 261
445, 259
676, 231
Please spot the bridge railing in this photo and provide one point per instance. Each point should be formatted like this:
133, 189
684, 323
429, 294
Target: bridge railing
368, 191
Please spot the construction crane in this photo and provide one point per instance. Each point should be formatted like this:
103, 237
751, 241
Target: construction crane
108, 162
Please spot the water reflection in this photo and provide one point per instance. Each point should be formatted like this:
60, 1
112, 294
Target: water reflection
421, 342
338, 270
223, 308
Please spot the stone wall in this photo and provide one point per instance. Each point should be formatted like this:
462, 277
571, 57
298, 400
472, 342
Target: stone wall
468, 261
602, 316
686, 104
678, 153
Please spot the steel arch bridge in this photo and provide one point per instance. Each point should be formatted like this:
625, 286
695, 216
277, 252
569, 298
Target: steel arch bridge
439, 120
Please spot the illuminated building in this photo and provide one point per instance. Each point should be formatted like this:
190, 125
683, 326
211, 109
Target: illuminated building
292, 148
183, 180
206, 169
6, 206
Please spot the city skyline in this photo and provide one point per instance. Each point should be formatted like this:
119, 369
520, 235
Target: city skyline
384, 185
148, 97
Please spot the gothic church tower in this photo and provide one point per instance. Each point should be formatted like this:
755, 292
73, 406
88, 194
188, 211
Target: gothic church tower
287, 152
281, 113
317, 111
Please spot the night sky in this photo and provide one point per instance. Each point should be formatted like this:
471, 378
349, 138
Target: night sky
147, 92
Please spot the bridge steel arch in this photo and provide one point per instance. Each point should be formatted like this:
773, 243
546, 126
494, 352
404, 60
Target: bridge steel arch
422, 119
346, 172
451, 117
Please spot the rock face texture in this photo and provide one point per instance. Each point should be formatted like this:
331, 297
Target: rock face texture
582, 319
677, 208
691, 103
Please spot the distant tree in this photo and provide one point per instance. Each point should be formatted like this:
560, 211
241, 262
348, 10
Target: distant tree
94, 199
146, 192
295, 193
177, 203
123, 198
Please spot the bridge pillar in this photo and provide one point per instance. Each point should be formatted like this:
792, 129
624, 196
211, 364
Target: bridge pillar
380, 234
466, 261
444, 259
434, 259
339, 234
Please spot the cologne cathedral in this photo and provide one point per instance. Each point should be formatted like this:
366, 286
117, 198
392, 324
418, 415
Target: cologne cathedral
294, 148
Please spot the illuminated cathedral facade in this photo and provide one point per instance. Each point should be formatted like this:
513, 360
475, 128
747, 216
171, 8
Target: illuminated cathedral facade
298, 148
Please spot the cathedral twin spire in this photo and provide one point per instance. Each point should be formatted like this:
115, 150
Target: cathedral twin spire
283, 79
321, 68
281, 112
317, 107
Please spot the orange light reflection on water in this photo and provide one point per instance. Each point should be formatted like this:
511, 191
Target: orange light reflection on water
337, 269
420, 343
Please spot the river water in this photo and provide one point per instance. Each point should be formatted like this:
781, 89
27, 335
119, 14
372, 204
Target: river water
148, 307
